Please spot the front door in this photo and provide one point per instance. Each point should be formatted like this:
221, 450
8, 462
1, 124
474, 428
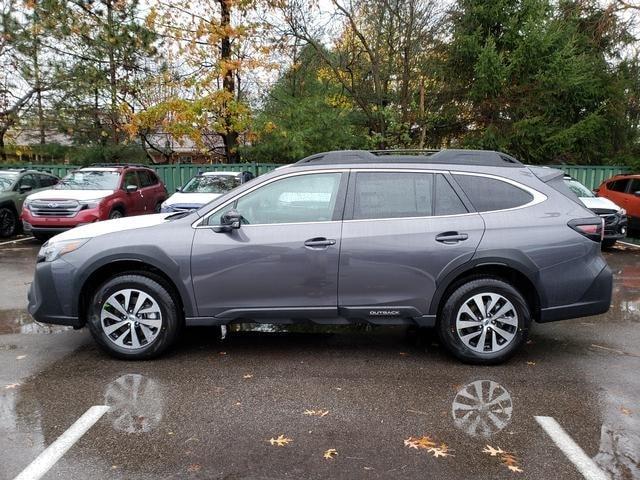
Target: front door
401, 230
283, 260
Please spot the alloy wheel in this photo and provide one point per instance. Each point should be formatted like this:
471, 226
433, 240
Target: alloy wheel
487, 322
131, 318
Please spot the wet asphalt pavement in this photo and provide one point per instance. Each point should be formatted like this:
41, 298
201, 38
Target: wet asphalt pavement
209, 408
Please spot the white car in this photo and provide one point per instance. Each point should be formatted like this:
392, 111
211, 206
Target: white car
202, 189
615, 217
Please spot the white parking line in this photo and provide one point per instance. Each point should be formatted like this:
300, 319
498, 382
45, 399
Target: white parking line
64, 442
571, 450
16, 241
629, 244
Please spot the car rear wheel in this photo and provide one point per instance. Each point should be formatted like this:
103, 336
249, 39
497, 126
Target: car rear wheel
116, 213
484, 321
8, 222
133, 317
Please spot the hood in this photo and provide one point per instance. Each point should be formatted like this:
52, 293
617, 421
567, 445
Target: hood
70, 194
599, 202
191, 198
111, 226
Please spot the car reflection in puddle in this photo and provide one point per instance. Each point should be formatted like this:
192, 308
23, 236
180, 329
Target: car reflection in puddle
482, 408
136, 403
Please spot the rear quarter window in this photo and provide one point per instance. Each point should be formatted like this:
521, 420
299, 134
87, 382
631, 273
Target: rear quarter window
488, 194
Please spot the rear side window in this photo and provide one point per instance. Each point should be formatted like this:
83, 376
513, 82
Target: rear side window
47, 181
392, 195
618, 185
147, 178
447, 200
488, 194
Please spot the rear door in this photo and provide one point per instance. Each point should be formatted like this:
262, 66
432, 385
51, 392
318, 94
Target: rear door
402, 228
151, 190
616, 191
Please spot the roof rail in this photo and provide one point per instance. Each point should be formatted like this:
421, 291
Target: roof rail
456, 157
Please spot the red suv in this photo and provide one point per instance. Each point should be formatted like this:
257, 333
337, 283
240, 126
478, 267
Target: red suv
91, 194
624, 190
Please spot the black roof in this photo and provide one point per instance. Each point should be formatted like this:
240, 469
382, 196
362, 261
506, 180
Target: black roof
460, 157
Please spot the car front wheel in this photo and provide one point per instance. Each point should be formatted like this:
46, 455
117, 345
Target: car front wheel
133, 317
8, 222
484, 321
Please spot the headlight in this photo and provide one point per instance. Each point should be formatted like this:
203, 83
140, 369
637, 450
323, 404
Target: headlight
27, 202
53, 250
91, 203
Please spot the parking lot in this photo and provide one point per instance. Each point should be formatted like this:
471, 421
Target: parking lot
349, 402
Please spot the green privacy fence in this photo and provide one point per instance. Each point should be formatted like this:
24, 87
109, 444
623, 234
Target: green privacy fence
176, 175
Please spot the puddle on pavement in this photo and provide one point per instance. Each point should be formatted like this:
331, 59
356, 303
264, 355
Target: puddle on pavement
19, 321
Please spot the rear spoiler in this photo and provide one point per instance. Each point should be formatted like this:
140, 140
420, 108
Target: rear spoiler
546, 173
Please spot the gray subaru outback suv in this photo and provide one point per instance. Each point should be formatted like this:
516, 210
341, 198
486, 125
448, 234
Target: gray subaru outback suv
472, 243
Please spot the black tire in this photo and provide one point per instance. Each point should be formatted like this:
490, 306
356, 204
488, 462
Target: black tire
461, 295
158, 208
116, 213
42, 237
8, 222
171, 318
608, 243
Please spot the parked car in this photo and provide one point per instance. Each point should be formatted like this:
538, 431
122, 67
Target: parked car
615, 218
15, 185
202, 189
624, 190
92, 194
457, 240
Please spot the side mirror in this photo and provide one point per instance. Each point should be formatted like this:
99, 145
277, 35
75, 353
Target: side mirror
25, 188
131, 188
230, 220
637, 193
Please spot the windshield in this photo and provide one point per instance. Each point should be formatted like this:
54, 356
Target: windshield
211, 184
577, 188
6, 180
89, 180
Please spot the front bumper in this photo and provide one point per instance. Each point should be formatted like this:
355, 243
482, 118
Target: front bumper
595, 301
52, 225
615, 226
50, 297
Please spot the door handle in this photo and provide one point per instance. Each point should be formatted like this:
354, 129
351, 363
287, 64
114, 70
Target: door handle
451, 237
319, 242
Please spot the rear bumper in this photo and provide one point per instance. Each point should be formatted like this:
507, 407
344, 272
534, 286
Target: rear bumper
595, 301
57, 306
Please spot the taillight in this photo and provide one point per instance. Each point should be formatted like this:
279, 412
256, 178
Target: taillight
592, 228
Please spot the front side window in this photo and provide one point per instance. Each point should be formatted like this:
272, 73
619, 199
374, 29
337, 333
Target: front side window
489, 194
618, 185
211, 184
298, 199
392, 195
29, 180
90, 180
130, 178
635, 186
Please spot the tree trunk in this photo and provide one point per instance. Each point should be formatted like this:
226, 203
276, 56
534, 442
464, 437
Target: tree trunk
3, 153
113, 87
230, 136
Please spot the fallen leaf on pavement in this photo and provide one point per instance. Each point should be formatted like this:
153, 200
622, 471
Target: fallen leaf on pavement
625, 411
20, 357
281, 441
330, 454
316, 413
11, 386
222, 353
248, 375
506, 458
193, 468
426, 443
531, 363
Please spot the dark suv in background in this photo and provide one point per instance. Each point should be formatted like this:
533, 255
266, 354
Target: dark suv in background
472, 243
